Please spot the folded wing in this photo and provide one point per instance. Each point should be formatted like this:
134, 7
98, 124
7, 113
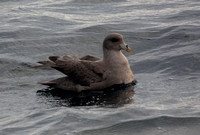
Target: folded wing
83, 71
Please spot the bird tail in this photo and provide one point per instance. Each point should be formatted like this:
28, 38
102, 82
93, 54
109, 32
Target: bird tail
49, 83
44, 64
64, 83
53, 58
50, 63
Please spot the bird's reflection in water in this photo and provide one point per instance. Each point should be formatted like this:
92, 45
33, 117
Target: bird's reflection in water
105, 98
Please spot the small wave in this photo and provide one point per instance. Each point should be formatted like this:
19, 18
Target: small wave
185, 15
98, 1
180, 65
158, 125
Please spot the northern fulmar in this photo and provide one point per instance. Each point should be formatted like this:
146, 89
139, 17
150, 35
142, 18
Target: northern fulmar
92, 73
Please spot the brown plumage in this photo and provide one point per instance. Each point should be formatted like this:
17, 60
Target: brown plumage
82, 71
89, 72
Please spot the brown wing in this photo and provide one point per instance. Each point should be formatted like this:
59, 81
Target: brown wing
90, 58
64, 83
75, 69
64, 64
95, 66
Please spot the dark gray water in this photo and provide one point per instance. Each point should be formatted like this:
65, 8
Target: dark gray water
165, 39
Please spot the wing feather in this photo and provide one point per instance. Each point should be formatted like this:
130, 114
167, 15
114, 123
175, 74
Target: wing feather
83, 72
90, 58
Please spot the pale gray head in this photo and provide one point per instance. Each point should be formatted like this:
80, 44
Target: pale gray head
114, 41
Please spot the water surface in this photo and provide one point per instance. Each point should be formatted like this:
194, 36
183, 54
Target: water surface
164, 37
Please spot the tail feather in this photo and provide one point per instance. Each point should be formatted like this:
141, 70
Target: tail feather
49, 83
53, 58
45, 64
63, 83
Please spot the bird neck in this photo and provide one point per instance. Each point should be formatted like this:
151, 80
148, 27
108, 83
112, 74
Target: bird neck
113, 57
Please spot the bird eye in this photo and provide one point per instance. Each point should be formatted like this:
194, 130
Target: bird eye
114, 39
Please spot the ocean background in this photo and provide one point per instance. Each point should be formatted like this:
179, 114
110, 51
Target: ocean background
163, 34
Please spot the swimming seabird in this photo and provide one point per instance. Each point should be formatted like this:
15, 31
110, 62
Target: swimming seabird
90, 72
